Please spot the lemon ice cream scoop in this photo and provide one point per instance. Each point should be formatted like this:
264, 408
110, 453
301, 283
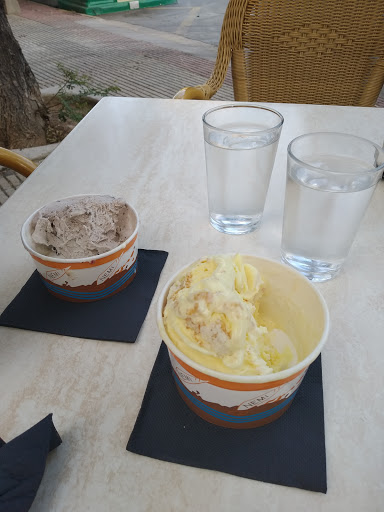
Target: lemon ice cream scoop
212, 315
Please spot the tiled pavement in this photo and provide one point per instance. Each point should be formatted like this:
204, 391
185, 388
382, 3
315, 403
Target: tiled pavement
107, 52
9, 181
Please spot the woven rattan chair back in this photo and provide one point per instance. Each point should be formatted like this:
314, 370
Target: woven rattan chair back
302, 51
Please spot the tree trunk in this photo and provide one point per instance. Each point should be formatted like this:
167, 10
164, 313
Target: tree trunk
23, 116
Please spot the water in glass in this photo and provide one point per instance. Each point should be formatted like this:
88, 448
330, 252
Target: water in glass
238, 174
322, 215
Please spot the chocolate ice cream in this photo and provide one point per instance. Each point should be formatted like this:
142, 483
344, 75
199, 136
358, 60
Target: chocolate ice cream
81, 227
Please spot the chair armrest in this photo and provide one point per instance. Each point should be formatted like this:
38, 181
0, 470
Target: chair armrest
199, 92
16, 162
230, 40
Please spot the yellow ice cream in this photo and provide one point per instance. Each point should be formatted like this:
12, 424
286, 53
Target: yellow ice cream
211, 315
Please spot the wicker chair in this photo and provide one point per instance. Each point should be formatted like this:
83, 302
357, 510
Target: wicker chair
300, 51
16, 162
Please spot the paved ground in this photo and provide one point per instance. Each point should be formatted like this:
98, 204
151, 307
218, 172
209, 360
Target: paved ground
9, 181
198, 20
150, 52
141, 60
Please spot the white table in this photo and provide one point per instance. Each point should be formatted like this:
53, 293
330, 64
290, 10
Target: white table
151, 152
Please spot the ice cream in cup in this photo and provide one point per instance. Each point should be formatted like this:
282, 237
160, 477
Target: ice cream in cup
241, 332
84, 246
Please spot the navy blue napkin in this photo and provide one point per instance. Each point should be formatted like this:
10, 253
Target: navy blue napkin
289, 451
22, 465
117, 318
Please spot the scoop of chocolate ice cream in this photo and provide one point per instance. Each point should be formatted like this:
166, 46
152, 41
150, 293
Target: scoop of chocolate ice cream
80, 227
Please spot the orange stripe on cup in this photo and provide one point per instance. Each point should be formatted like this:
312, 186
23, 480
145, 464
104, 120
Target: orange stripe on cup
238, 386
86, 264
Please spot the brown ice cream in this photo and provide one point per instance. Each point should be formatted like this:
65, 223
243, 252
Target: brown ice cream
81, 227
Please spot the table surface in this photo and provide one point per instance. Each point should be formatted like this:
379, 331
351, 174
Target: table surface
151, 152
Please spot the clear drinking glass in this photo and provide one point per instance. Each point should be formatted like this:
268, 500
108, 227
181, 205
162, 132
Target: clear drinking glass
330, 181
240, 148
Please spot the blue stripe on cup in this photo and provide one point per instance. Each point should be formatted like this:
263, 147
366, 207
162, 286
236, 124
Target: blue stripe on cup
229, 417
92, 295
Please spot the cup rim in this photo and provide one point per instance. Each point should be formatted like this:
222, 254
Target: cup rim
75, 260
372, 170
243, 105
245, 379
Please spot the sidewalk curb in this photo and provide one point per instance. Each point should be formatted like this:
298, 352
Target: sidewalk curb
98, 7
149, 35
38, 152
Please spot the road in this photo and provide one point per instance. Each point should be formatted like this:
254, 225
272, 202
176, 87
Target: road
198, 20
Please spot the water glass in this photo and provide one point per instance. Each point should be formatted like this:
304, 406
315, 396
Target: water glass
240, 148
330, 181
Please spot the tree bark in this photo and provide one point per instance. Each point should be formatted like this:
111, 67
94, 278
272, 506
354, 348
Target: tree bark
23, 116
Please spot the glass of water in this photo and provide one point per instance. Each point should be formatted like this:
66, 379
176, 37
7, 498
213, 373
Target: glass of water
330, 181
240, 147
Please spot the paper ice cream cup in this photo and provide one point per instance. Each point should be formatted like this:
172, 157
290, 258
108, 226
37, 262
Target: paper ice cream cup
247, 401
86, 279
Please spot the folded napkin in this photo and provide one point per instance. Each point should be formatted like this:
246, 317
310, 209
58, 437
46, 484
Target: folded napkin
22, 465
117, 318
289, 451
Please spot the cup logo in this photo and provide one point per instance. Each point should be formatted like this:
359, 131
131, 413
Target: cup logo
261, 399
109, 271
53, 275
187, 377
273, 394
